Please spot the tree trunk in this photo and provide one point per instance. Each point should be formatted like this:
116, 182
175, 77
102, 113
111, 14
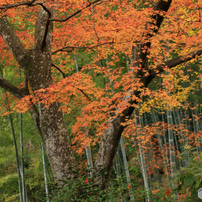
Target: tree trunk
111, 137
36, 64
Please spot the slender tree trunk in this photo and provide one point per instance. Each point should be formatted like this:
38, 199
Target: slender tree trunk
24, 192
16, 151
126, 168
141, 159
17, 159
44, 171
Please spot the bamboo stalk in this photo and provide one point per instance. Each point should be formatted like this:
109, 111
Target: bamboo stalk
16, 149
44, 171
126, 168
160, 142
24, 192
17, 157
141, 161
195, 126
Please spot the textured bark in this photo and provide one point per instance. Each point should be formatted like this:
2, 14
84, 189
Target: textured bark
11, 39
109, 146
51, 121
36, 64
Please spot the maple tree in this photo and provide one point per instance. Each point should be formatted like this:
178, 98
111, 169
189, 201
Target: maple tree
155, 36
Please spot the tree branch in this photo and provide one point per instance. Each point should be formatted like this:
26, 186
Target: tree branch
63, 74
11, 88
170, 64
179, 60
24, 3
137, 51
11, 39
43, 30
77, 12
112, 135
84, 94
31, 3
20, 93
72, 48
162, 6
48, 24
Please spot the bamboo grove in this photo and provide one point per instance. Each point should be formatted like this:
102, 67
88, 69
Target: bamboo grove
107, 88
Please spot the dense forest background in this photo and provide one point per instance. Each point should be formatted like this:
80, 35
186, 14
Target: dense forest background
100, 100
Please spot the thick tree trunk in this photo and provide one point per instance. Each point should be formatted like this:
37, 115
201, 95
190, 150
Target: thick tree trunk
36, 64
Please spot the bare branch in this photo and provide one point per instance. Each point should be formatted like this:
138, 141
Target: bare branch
180, 60
45, 8
48, 25
20, 93
63, 74
84, 94
170, 64
11, 88
76, 87
24, 3
72, 48
77, 12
